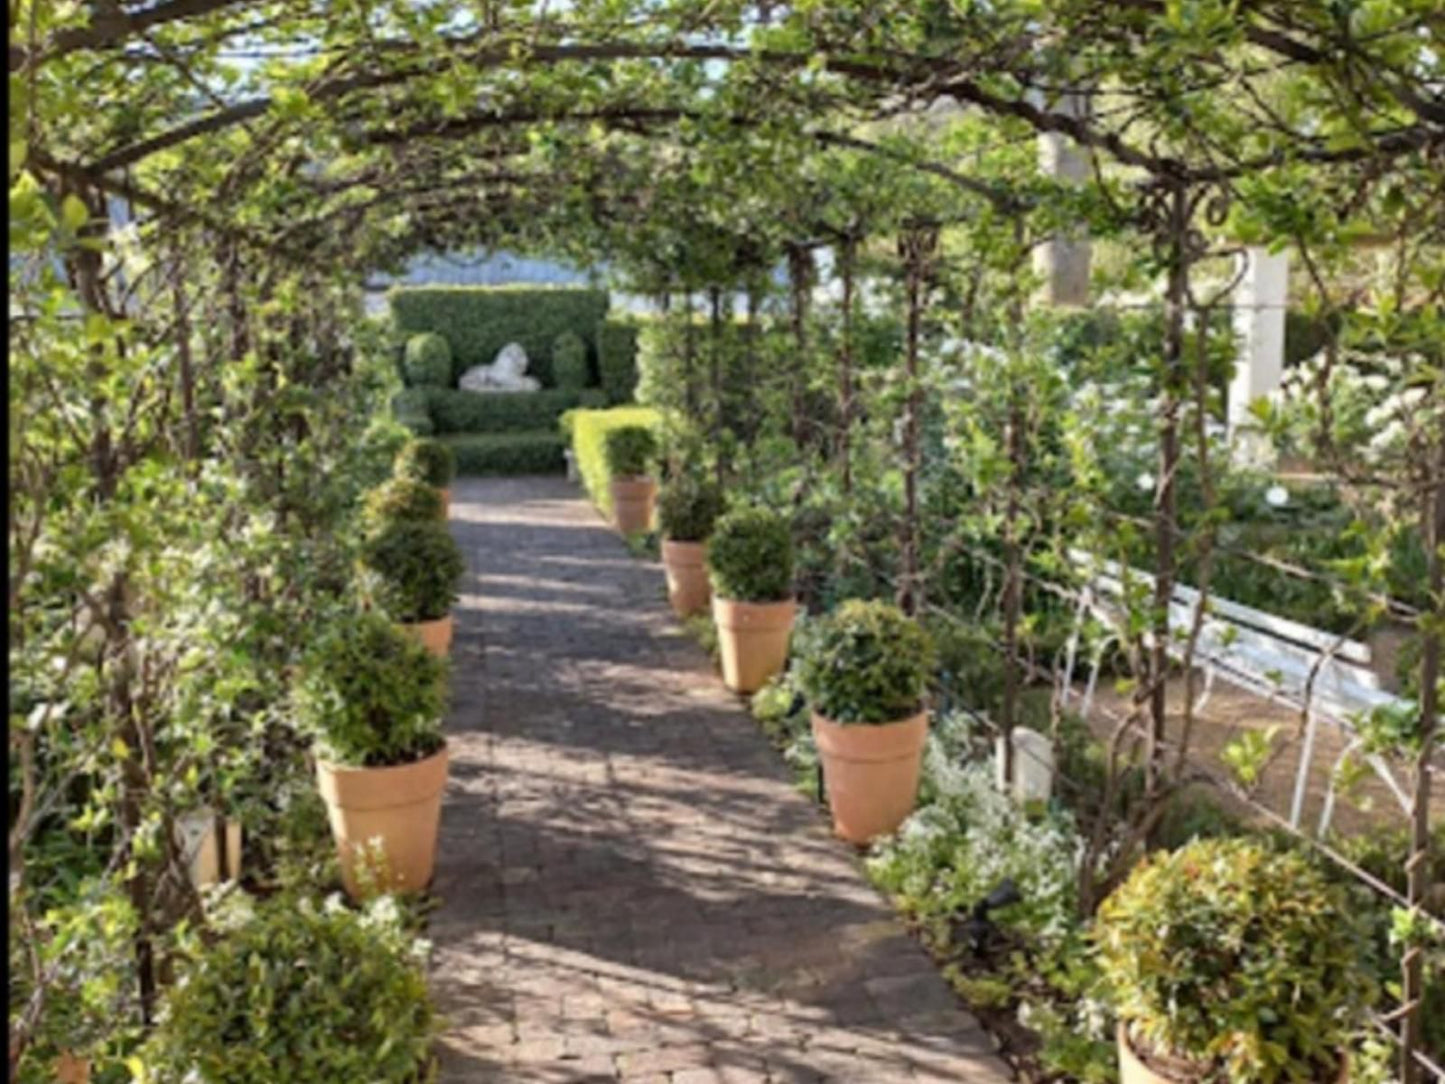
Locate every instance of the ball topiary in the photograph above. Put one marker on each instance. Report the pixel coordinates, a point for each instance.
(370, 695)
(1228, 955)
(418, 565)
(630, 450)
(750, 557)
(399, 500)
(427, 361)
(687, 508)
(866, 662)
(289, 991)
(569, 361)
(428, 461)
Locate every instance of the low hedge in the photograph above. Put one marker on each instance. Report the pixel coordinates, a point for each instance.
(454, 411)
(528, 452)
(617, 359)
(477, 321)
(589, 445)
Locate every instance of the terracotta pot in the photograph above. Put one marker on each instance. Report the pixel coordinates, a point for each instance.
(753, 638)
(446, 502)
(71, 1069)
(435, 636)
(632, 500)
(1133, 1070)
(870, 772)
(687, 586)
(401, 805)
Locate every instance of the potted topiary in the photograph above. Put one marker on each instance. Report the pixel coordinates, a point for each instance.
(371, 697)
(431, 463)
(401, 499)
(629, 450)
(865, 673)
(418, 565)
(750, 564)
(284, 990)
(427, 361)
(687, 507)
(1227, 959)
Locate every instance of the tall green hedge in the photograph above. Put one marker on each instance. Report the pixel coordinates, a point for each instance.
(455, 411)
(477, 321)
(589, 430)
(529, 452)
(617, 359)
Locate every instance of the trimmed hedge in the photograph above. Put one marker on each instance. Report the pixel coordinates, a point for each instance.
(617, 359)
(479, 320)
(589, 445)
(455, 411)
(528, 452)
(569, 361)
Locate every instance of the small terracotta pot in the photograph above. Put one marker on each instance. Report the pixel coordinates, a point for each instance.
(632, 500)
(870, 772)
(753, 638)
(687, 587)
(71, 1069)
(1133, 1070)
(435, 636)
(446, 502)
(401, 806)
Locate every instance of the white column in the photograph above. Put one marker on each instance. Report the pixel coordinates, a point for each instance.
(1259, 307)
(1062, 262)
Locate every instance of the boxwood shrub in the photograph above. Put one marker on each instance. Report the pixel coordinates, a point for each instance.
(400, 499)
(531, 452)
(427, 461)
(630, 450)
(687, 508)
(418, 567)
(1236, 957)
(295, 992)
(370, 695)
(479, 320)
(569, 361)
(617, 359)
(427, 361)
(456, 411)
(589, 445)
(750, 556)
(866, 662)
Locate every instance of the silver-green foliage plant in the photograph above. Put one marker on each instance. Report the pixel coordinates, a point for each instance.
(750, 557)
(427, 361)
(289, 991)
(866, 662)
(418, 567)
(630, 450)
(569, 360)
(1236, 958)
(428, 461)
(687, 508)
(370, 695)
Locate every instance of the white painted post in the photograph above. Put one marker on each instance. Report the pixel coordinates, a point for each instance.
(1259, 307)
(1033, 762)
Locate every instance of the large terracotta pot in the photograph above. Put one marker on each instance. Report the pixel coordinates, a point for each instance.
(401, 805)
(1132, 1069)
(687, 586)
(435, 636)
(753, 638)
(870, 772)
(71, 1069)
(632, 500)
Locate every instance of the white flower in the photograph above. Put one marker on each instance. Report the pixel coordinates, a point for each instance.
(1145, 481)
(1276, 496)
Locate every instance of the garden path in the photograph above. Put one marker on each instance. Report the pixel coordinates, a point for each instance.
(631, 888)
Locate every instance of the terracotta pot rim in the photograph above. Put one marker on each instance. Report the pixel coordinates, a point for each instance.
(687, 547)
(633, 481)
(902, 720)
(429, 620)
(347, 769)
(871, 743)
(732, 614)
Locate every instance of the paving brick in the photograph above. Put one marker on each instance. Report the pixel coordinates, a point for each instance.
(630, 887)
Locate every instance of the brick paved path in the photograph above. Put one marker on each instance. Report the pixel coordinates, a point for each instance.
(631, 888)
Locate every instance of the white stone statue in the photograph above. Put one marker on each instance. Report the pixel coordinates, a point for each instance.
(507, 373)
